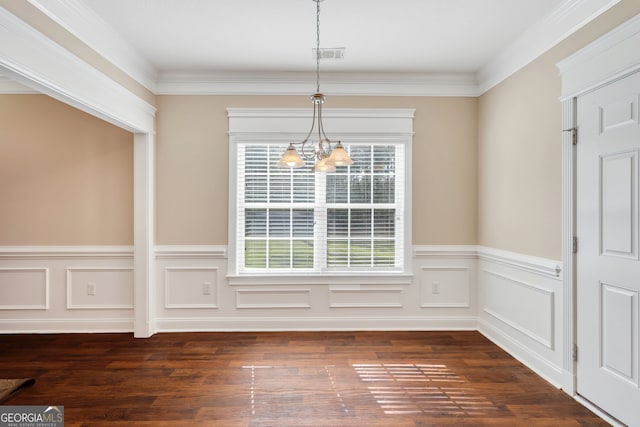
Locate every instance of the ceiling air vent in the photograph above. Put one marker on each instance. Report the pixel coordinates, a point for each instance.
(329, 53)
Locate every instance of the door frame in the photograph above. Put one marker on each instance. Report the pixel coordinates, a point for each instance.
(26, 56)
(612, 57)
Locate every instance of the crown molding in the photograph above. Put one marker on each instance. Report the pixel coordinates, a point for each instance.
(352, 113)
(81, 21)
(11, 87)
(302, 83)
(566, 19)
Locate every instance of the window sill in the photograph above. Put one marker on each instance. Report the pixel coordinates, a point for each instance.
(320, 279)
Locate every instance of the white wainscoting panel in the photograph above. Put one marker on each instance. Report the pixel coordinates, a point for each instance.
(521, 308)
(526, 308)
(54, 282)
(273, 298)
(191, 287)
(359, 296)
(445, 277)
(100, 288)
(24, 288)
(350, 301)
(445, 287)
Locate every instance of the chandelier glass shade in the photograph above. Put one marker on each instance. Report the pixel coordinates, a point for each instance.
(327, 153)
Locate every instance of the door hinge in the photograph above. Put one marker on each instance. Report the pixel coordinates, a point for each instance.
(574, 353)
(575, 245)
(574, 135)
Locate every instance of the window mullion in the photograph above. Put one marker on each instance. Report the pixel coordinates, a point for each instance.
(320, 223)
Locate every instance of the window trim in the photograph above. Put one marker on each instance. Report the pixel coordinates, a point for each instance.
(246, 125)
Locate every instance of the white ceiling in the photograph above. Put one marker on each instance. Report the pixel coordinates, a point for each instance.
(277, 35)
(421, 47)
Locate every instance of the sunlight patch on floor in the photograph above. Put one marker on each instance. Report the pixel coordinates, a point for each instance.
(396, 396)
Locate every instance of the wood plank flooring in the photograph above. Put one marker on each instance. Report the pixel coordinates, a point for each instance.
(284, 379)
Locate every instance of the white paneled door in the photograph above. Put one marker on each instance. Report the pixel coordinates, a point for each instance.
(608, 273)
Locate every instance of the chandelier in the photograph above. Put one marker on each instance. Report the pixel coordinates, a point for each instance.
(327, 153)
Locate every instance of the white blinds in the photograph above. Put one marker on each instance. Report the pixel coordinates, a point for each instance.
(294, 220)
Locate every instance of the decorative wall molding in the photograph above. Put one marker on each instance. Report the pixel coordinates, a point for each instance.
(545, 266)
(445, 286)
(24, 288)
(184, 287)
(112, 288)
(69, 252)
(190, 252)
(50, 293)
(447, 251)
(548, 340)
(358, 297)
(273, 298)
(520, 307)
(542, 266)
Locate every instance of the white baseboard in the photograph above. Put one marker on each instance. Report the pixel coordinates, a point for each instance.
(63, 326)
(599, 412)
(553, 374)
(270, 324)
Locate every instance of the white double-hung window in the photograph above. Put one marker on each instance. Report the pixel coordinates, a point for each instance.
(293, 221)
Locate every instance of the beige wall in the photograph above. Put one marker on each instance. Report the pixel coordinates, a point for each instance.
(66, 178)
(520, 151)
(192, 164)
(485, 171)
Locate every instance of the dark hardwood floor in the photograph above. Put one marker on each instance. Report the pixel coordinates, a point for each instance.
(284, 379)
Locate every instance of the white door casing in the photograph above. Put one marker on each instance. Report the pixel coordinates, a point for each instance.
(606, 60)
(608, 262)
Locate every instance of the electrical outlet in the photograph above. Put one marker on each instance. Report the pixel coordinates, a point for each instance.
(206, 288)
(435, 287)
(91, 288)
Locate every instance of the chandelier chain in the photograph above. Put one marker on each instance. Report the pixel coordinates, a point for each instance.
(317, 46)
(328, 153)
